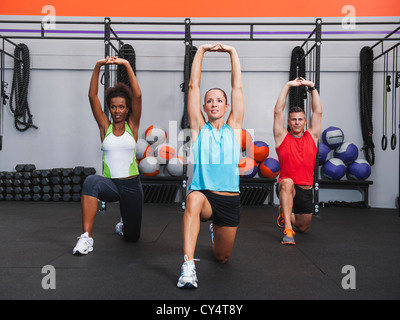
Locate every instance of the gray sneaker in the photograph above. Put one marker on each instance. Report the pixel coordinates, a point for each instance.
(288, 237)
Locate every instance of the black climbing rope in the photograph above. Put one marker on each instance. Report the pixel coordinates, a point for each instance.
(366, 86)
(297, 69)
(19, 90)
(126, 52)
(189, 56)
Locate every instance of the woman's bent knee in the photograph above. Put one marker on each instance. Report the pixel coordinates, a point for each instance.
(221, 258)
(194, 203)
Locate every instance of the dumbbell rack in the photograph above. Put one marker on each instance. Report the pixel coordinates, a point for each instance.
(27, 183)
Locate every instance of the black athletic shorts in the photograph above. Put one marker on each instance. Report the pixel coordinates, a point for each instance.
(225, 209)
(303, 200)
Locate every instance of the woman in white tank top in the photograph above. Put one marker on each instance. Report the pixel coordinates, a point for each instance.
(120, 180)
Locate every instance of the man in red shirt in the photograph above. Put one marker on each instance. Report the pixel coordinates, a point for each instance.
(297, 151)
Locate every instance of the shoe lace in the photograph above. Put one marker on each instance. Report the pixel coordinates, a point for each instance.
(289, 232)
(83, 240)
(188, 267)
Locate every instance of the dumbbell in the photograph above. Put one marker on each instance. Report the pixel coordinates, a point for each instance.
(67, 197)
(27, 182)
(27, 197)
(77, 179)
(36, 173)
(25, 167)
(9, 197)
(57, 188)
(46, 173)
(47, 197)
(55, 180)
(66, 180)
(8, 179)
(56, 172)
(57, 197)
(36, 197)
(76, 197)
(67, 172)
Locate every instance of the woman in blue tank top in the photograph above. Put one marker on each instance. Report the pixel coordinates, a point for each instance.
(120, 180)
(216, 150)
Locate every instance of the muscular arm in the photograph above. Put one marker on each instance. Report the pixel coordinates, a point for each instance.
(134, 118)
(235, 119)
(316, 117)
(100, 117)
(196, 118)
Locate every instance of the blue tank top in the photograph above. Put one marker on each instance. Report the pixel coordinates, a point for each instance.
(216, 158)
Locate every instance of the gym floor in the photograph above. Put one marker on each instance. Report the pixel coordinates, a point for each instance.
(35, 234)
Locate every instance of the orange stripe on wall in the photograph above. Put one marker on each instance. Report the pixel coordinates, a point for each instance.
(202, 8)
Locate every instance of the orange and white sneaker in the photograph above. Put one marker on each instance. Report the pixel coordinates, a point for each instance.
(280, 221)
(288, 237)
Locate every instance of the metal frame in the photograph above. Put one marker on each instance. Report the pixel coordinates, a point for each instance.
(3, 84)
(188, 36)
(383, 54)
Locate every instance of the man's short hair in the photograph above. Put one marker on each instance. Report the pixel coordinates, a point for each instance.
(296, 109)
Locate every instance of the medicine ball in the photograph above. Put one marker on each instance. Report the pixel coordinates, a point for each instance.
(175, 166)
(149, 166)
(246, 140)
(347, 152)
(269, 168)
(259, 150)
(247, 167)
(359, 170)
(323, 153)
(164, 152)
(333, 137)
(142, 149)
(155, 135)
(334, 169)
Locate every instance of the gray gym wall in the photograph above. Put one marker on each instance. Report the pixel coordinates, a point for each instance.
(68, 135)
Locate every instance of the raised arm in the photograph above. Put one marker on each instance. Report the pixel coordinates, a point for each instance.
(136, 108)
(196, 118)
(316, 116)
(100, 117)
(279, 129)
(235, 119)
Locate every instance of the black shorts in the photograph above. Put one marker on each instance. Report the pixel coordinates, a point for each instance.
(225, 209)
(303, 200)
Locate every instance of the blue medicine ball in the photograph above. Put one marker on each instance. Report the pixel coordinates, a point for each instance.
(334, 169)
(359, 170)
(333, 137)
(347, 152)
(323, 152)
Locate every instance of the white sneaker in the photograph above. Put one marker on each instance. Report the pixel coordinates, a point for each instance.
(119, 228)
(84, 245)
(188, 278)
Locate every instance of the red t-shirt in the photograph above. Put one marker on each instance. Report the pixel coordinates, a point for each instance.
(297, 158)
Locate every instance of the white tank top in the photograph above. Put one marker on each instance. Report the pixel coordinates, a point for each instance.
(119, 160)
